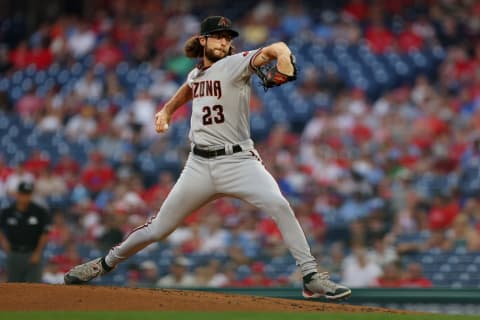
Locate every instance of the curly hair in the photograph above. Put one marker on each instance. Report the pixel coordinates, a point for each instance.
(193, 48)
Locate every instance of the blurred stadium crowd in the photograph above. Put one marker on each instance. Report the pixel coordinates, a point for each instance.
(376, 145)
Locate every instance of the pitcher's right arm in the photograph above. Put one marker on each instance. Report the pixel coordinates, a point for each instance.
(162, 117)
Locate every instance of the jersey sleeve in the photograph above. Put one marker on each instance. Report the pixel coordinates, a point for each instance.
(191, 76)
(240, 64)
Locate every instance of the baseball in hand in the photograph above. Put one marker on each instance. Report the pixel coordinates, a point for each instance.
(165, 127)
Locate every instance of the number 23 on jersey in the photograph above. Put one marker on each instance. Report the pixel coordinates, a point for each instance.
(213, 114)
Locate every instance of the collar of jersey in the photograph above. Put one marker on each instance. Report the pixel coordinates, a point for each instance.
(201, 67)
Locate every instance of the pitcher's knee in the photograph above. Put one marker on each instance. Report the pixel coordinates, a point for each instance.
(158, 237)
(147, 235)
(161, 233)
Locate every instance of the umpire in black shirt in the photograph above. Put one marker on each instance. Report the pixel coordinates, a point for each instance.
(24, 230)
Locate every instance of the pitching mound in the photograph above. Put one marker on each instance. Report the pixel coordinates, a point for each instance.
(30, 297)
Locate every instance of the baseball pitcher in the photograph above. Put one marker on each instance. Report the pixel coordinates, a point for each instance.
(223, 161)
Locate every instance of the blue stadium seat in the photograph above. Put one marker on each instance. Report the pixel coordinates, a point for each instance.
(472, 268)
(4, 84)
(243, 271)
(17, 77)
(83, 249)
(13, 131)
(453, 259)
(119, 279)
(53, 70)
(122, 69)
(19, 156)
(94, 253)
(62, 77)
(164, 264)
(77, 70)
(87, 61)
(60, 202)
(40, 77)
(16, 93)
(30, 70)
(52, 249)
(99, 70)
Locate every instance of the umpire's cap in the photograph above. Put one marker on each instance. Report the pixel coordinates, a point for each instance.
(25, 187)
(214, 24)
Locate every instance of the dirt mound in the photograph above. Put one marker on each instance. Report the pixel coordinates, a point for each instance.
(29, 297)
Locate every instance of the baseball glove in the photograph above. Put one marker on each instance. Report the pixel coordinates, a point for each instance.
(270, 76)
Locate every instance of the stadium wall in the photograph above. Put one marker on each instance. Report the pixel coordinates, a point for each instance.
(437, 300)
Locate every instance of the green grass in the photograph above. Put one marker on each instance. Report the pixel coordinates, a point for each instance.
(142, 315)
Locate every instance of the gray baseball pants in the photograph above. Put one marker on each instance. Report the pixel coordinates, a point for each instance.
(240, 175)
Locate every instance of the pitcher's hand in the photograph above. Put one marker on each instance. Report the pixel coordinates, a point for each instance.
(162, 120)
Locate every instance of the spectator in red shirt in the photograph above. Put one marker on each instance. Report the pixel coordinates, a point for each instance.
(160, 190)
(459, 66)
(69, 258)
(396, 7)
(391, 277)
(442, 213)
(281, 136)
(408, 40)
(38, 162)
(41, 55)
(66, 164)
(426, 128)
(269, 229)
(60, 234)
(414, 278)
(311, 222)
(108, 54)
(42, 58)
(5, 170)
(68, 169)
(21, 56)
(257, 278)
(125, 34)
(361, 132)
(379, 38)
(97, 174)
(356, 9)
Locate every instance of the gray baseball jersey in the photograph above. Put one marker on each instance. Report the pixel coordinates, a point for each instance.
(221, 98)
(220, 119)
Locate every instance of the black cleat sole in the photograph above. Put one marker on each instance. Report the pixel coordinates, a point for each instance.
(341, 297)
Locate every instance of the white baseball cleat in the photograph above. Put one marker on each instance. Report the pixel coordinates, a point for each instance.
(83, 273)
(317, 285)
